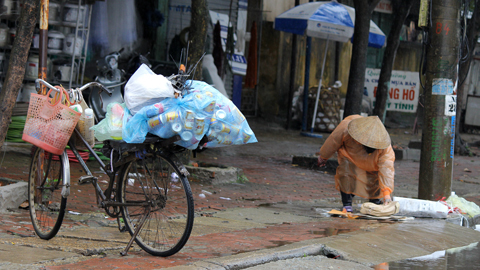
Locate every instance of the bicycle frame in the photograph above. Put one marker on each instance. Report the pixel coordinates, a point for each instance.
(112, 199)
(111, 174)
(111, 170)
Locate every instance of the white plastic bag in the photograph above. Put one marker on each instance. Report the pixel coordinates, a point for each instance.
(146, 88)
(421, 208)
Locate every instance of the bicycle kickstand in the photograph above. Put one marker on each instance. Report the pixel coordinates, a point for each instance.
(137, 230)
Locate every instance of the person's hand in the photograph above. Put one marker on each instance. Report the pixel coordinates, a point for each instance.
(321, 162)
(387, 199)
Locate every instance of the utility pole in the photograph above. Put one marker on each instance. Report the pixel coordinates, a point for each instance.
(438, 132)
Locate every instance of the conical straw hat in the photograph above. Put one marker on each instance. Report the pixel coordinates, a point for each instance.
(370, 132)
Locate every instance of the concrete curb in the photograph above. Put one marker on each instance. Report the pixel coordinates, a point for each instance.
(407, 154)
(214, 174)
(375, 244)
(11, 196)
(250, 259)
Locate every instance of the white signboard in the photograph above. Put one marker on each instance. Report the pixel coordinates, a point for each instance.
(450, 105)
(403, 92)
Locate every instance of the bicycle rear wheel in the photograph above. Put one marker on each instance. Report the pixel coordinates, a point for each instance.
(167, 201)
(45, 183)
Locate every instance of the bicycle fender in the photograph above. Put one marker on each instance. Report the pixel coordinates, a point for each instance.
(177, 162)
(66, 176)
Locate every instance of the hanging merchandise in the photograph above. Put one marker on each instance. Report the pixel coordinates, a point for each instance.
(3, 35)
(62, 70)
(31, 69)
(72, 44)
(27, 90)
(72, 13)
(55, 41)
(53, 12)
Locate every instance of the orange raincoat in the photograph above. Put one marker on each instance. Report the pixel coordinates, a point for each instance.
(367, 175)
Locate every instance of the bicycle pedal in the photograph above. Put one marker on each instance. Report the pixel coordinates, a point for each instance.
(85, 179)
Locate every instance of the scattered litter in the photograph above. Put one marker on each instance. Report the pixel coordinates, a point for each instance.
(131, 181)
(74, 213)
(104, 181)
(223, 198)
(174, 177)
(201, 195)
(421, 208)
(24, 205)
(467, 170)
(207, 192)
(464, 206)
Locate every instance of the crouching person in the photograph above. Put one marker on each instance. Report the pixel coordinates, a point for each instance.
(365, 157)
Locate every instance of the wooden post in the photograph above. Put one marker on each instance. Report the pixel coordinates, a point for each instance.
(42, 63)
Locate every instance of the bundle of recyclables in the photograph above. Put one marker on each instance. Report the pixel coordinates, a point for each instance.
(201, 111)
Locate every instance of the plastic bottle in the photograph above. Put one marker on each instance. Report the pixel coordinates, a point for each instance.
(77, 108)
(89, 122)
(199, 127)
(189, 119)
(154, 110)
(186, 135)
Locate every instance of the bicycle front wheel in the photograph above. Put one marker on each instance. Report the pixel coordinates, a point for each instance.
(45, 183)
(157, 191)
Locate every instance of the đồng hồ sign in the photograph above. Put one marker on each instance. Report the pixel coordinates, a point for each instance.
(403, 92)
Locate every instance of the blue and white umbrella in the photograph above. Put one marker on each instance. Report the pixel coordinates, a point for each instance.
(326, 20)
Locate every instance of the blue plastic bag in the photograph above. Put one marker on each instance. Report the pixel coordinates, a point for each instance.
(202, 110)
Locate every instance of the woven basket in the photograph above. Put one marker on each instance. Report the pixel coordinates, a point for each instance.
(49, 126)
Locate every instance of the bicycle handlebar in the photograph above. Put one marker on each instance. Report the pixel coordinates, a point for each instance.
(86, 86)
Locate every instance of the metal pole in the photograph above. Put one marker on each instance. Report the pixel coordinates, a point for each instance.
(43, 42)
(319, 86)
(438, 131)
(293, 69)
(306, 83)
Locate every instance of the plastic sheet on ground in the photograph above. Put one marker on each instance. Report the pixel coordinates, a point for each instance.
(202, 110)
(466, 207)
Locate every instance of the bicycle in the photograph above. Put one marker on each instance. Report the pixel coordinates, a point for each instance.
(148, 188)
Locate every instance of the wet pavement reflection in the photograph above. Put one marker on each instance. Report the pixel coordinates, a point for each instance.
(466, 257)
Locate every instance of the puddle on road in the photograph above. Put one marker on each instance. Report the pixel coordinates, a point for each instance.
(331, 231)
(456, 258)
(278, 243)
(265, 204)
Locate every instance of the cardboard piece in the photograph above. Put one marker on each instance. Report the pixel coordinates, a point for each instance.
(364, 216)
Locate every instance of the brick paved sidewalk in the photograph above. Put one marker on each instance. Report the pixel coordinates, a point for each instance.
(274, 185)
